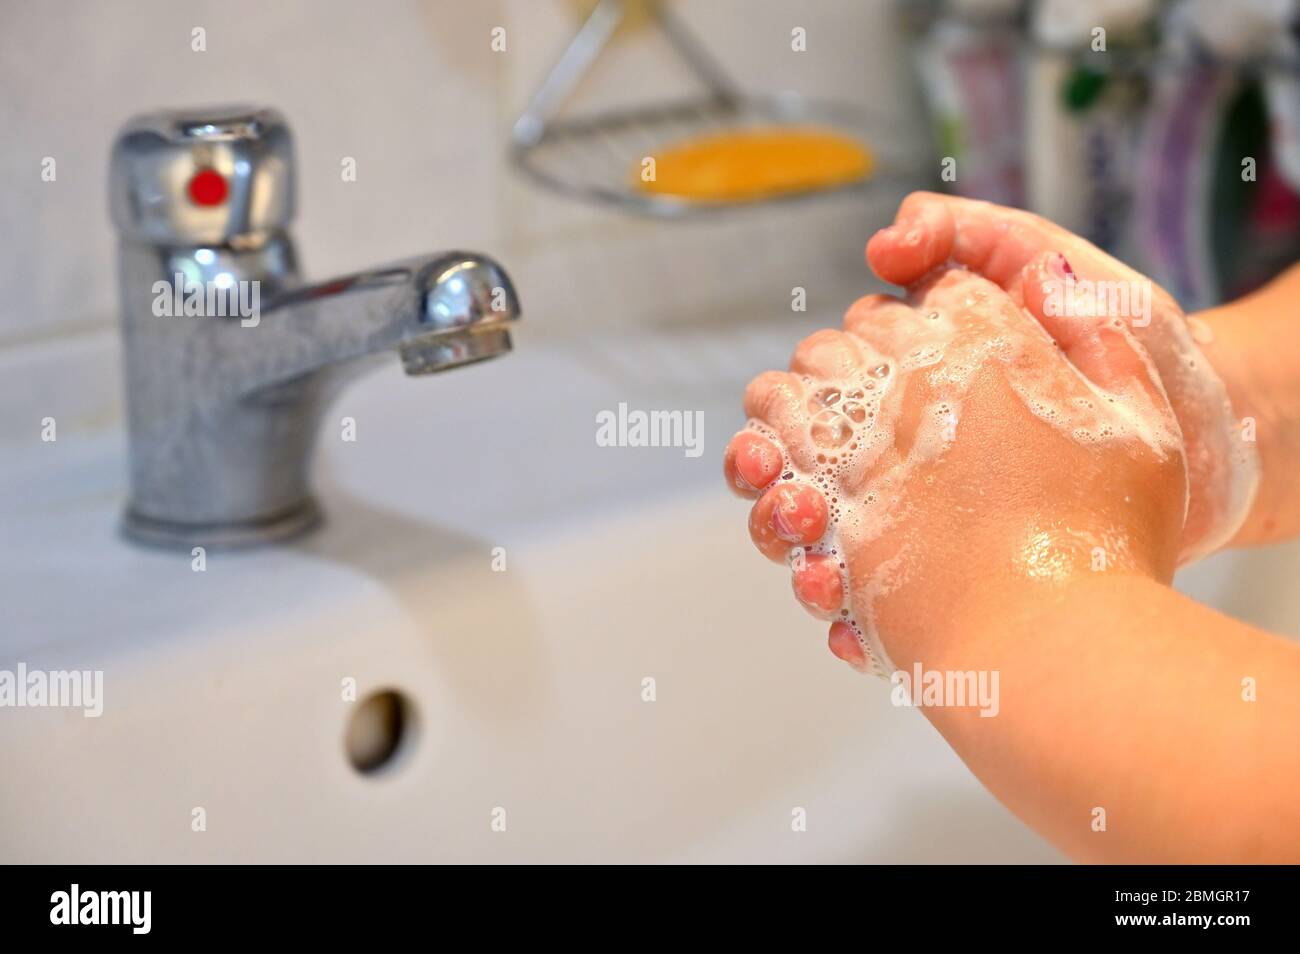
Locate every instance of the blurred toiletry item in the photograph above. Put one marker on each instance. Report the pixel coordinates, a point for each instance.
(1085, 90)
(1282, 93)
(968, 63)
(1261, 39)
(1218, 151)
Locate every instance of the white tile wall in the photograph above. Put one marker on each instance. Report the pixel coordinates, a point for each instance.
(412, 90)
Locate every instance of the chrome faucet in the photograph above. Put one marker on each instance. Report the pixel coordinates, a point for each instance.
(229, 360)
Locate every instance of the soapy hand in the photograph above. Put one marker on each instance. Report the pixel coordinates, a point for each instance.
(941, 443)
(991, 477)
(1007, 246)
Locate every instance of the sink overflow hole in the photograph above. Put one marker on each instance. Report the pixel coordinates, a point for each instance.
(380, 729)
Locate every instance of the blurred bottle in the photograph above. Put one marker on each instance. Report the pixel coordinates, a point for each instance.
(1282, 92)
(967, 58)
(1086, 89)
(1219, 155)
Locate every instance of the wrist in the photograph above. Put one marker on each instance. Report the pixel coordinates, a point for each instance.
(965, 622)
(1261, 380)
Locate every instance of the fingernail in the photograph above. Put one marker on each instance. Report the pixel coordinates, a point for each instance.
(781, 523)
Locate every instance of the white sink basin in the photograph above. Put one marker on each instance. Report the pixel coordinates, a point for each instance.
(223, 688)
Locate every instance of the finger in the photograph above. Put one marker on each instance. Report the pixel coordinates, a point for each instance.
(789, 514)
(882, 322)
(777, 399)
(994, 240)
(845, 644)
(932, 229)
(975, 304)
(920, 239)
(827, 354)
(1100, 345)
(751, 463)
(818, 586)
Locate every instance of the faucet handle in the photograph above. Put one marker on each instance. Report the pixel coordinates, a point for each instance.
(203, 176)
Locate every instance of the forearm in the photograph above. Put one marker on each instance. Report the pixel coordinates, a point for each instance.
(1255, 347)
(1118, 695)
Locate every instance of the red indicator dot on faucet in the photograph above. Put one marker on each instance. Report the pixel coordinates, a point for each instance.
(208, 187)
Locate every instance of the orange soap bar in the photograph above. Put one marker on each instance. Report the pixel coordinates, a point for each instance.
(755, 163)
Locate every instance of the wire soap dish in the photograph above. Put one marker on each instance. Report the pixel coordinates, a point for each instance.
(593, 157)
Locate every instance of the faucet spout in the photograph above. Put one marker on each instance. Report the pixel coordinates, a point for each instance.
(437, 311)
